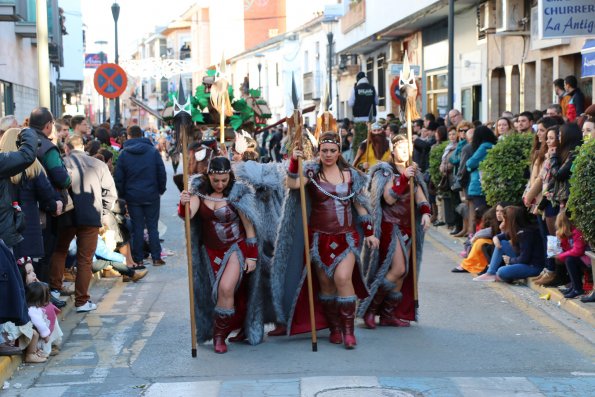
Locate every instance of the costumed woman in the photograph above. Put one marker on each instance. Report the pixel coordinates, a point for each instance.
(336, 194)
(225, 260)
(389, 276)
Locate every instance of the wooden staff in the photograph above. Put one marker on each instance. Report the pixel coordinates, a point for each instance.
(185, 131)
(298, 136)
(412, 208)
(222, 123)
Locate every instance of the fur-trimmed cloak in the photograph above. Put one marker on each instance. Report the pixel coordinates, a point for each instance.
(268, 182)
(375, 271)
(288, 272)
(242, 198)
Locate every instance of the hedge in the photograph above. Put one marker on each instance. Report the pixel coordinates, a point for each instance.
(503, 171)
(581, 202)
(435, 159)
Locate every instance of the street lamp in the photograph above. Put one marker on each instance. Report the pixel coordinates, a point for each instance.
(102, 56)
(116, 14)
(329, 37)
(259, 66)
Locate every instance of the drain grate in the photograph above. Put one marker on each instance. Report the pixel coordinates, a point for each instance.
(365, 392)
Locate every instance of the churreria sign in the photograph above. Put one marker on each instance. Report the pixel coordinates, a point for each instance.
(566, 18)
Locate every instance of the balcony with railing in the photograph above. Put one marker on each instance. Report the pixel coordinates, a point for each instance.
(355, 16)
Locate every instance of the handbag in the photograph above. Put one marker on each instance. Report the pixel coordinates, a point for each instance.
(443, 185)
(18, 214)
(67, 200)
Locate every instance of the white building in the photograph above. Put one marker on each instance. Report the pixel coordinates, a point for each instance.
(71, 72)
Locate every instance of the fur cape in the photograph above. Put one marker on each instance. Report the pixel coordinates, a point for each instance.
(268, 182)
(375, 271)
(242, 198)
(288, 271)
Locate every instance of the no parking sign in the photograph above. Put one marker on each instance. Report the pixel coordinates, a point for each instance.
(110, 80)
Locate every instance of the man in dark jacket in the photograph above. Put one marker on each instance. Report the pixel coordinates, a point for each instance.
(93, 192)
(42, 121)
(140, 179)
(13, 163)
(362, 98)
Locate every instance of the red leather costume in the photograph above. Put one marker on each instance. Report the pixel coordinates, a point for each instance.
(329, 215)
(398, 213)
(221, 228)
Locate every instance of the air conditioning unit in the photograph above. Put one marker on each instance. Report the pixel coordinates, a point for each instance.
(510, 15)
(485, 17)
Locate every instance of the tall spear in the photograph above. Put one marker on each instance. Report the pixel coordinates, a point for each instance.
(183, 128)
(295, 122)
(408, 90)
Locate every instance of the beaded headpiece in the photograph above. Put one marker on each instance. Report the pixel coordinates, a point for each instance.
(226, 169)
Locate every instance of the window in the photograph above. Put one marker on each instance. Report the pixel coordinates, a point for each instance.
(381, 72)
(437, 93)
(370, 70)
(6, 99)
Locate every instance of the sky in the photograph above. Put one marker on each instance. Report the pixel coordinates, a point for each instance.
(137, 19)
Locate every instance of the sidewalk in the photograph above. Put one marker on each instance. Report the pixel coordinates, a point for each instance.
(584, 311)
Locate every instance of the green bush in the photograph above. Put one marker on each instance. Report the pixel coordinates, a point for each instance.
(503, 171)
(581, 202)
(435, 159)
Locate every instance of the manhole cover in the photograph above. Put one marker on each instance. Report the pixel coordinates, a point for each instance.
(364, 392)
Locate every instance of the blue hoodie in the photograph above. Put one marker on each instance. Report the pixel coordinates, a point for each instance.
(140, 173)
(472, 164)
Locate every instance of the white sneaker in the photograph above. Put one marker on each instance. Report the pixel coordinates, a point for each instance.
(55, 293)
(87, 307)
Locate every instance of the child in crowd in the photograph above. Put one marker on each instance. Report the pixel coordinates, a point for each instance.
(44, 317)
(26, 336)
(477, 261)
(573, 253)
(519, 246)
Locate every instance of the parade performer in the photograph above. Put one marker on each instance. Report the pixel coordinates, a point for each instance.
(368, 155)
(336, 195)
(225, 260)
(388, 272)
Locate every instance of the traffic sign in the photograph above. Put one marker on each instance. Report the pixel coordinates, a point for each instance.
(110, 80)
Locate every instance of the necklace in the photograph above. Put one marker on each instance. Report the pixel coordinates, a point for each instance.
(209, 198)
(329, 194)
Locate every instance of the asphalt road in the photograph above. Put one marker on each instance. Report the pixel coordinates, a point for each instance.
(471, 339)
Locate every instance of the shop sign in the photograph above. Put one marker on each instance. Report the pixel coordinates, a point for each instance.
(396, 69)
(566, 18)
(588, 64)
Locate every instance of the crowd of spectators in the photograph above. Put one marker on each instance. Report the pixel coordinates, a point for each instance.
(74, 200)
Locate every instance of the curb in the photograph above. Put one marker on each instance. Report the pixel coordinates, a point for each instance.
(573, 306)
(9, 364)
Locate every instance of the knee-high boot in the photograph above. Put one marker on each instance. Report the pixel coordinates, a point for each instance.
(387, 312)
(329, 305)
(370, 316)
(346, 305)
(221, 328)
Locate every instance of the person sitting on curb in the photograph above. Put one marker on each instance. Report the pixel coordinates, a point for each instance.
(519, 246)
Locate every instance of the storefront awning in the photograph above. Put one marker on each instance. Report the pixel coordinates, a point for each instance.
(588, 64)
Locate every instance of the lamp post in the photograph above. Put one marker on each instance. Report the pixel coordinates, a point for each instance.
(102, 58)
(259, 56)
(116, 14)
(329, 36)
(259, 69)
